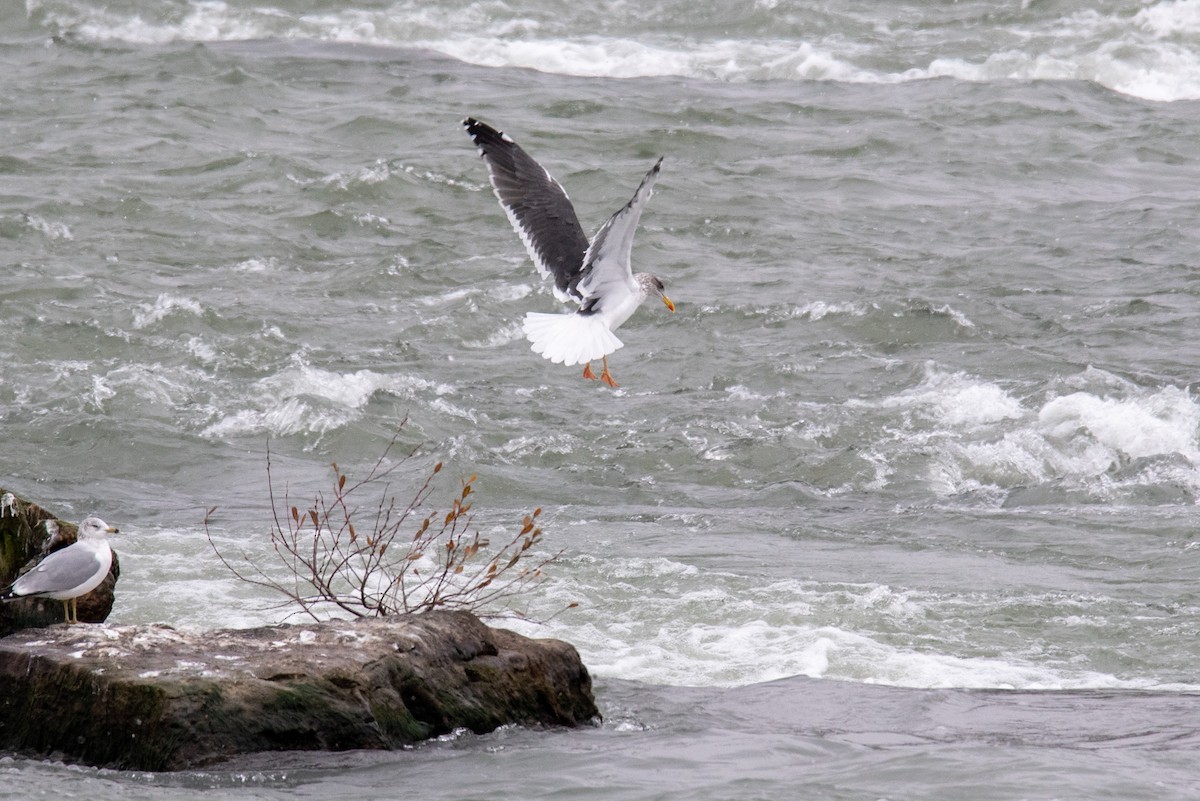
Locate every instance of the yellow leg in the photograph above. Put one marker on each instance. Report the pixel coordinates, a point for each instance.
(70, 611)
(606, 376)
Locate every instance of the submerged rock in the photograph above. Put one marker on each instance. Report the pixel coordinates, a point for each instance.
(27, 534)
(152, 698)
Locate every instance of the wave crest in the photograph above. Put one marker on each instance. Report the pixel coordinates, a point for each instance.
(1152, 54)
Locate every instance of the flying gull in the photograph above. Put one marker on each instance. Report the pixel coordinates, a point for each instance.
(70, 572)
(596, 275)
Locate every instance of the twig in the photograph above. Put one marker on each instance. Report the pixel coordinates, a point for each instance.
(381, 570)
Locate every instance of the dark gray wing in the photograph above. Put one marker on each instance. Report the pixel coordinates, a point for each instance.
(538, 208)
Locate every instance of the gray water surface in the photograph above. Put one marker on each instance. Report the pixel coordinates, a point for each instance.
(925, 415)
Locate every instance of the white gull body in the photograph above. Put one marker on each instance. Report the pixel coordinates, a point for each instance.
(596, 275)
(71, 572)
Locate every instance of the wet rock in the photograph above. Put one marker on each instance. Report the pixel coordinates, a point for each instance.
(152, 698)
(27, 533)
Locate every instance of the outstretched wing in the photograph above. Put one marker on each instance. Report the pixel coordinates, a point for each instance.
(606, 267)
(538, 208)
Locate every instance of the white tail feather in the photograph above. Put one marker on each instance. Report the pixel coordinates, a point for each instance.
(570, 338)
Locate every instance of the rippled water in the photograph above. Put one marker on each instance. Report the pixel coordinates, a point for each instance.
(925, 417)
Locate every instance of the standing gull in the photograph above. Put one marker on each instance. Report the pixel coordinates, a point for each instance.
(595, 275)
(71, 572)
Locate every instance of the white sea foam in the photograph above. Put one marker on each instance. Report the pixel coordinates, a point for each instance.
(269, 264)
(160, 580)
(1083, 438)
(956, 400)
(150, 384)
(813, 310)
(164, 305)
(440, 178)
(818, 310)
(705, 628)
(202, 350)
(50, 229)
(1150, 54)
(538, 445)
(501, 336)
(1163, 20)
(376, 173)
(1161, 423)
(101, 392)
(368, 219)
(307, 399)
(1103, 439)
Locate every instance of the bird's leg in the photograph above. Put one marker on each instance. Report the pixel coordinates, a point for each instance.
(587, 372)
(606, 376)
(67, 611)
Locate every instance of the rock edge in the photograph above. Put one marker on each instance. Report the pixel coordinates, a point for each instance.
(153, 698)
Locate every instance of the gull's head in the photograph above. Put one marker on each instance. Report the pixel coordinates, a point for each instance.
(653, 287)
(95, 528)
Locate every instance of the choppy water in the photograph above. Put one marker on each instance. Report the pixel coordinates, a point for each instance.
(926, 415)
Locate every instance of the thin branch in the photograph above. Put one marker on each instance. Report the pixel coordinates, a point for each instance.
(383, 569)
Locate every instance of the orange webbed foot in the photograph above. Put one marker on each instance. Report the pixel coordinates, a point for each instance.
(606, 376)
(587, 372)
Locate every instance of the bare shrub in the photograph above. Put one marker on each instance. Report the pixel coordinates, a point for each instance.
(400, 561)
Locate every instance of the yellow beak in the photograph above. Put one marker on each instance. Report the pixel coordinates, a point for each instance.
(667, 302)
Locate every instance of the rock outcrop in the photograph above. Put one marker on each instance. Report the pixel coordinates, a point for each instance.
(27, 533)
(152, 698)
